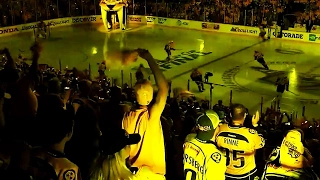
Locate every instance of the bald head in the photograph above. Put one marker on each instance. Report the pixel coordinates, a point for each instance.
(144, 92)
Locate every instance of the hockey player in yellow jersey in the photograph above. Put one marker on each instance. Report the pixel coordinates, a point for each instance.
(202, 160)
(239, 144)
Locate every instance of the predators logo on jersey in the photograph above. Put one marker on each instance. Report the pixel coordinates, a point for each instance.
(69, 175)
(216, 157)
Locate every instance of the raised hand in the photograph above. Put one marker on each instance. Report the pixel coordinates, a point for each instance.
(145, 54)
(36, 48)
(255, 118)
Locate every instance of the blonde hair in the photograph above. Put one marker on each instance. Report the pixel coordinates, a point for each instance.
(111, 167)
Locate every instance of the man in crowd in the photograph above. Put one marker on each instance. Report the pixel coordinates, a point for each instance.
(101, 70)
(239, 144)
(55, 127)
(150, 152)
(202, 159)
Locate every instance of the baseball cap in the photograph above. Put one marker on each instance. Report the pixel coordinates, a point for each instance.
(207, 123)
(116, 139)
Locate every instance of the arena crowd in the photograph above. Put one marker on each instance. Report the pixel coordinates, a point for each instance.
(66, 125)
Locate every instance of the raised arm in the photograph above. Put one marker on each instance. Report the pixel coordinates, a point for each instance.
(10, 62)
(163, 88)
(30, 79)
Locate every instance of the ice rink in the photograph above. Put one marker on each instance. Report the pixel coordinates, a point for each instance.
(229, 57)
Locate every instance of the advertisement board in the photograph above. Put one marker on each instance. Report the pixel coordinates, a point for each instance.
(314, 38)
(82, 19)
(291, 35)
(162, 21)
(182, 23)
(135, 19)
(4, 31)
(151, 20)
(210, 26)
(9, 30)
(244, 30)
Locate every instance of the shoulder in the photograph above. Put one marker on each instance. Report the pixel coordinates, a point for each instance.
(69, 171)
(252, 131)
(135, 119)
(222, 127)
(134, 114)
(190, 137)
(70, 174)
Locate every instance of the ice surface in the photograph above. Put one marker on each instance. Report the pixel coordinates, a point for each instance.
(228, 57)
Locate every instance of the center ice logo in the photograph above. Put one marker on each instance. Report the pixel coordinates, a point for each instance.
(181, 59)
(313, 37)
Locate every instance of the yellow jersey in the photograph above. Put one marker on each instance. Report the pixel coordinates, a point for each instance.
(239, 145)
(274, 169)
(292, 150)
(203, 161)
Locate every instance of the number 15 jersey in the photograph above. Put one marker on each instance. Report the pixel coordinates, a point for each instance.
(239, 145)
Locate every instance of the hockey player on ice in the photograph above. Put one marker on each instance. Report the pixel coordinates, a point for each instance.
(168, 47)
(262, 33)
(282, 84)
(258, 56)
(42, 30)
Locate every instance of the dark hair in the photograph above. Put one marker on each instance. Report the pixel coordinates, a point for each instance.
(54, 126)
(238, 111)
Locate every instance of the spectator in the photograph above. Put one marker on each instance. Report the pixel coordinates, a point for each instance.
(202, 158)
(309, 25)
(290, 157)
(149, 153)
(56, 127)
(240, 144)
(86, 130)
(111, 162)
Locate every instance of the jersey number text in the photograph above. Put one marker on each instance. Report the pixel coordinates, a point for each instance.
(192, 174)
(234, 157)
